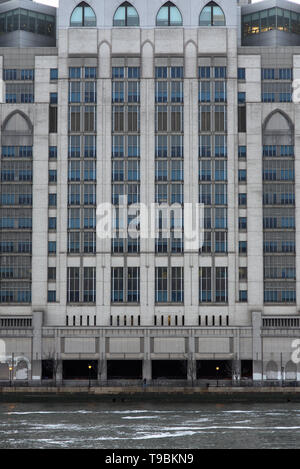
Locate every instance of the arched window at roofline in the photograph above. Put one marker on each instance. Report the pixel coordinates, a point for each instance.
(126, 15)
(169, 15)
(212, 15)
(83, 16)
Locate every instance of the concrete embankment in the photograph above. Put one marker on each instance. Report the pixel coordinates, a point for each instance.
(150, 393)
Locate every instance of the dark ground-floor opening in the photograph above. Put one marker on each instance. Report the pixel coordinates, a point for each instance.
(214, 369)
(169, 369)
(246, 369)
(80, 369)
(47, 369)
(124, 369)
(133, 369)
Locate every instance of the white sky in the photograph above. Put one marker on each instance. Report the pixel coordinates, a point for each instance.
(55, 2)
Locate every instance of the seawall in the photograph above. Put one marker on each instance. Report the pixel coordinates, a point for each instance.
(151, 393)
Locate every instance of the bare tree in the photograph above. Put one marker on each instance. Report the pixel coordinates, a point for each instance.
(191, 370)
(52, 364)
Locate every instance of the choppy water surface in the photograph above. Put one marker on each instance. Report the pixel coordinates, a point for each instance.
(149, 425)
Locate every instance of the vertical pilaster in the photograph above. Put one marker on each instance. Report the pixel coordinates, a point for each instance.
(232, 173)
(104, 151)
(257, 345)
(62, 187)
(296, 107)
(37, 324)
(191, 188)
(147, 171)
(254, 208)
(40, 207)
(147, 371)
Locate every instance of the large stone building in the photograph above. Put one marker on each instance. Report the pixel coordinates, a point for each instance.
(187, 102)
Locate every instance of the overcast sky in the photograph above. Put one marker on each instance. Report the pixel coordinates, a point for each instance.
(55, 2)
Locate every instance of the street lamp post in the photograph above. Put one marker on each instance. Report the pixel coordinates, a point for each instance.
(89, 367)
(217, 370)
(10, 374)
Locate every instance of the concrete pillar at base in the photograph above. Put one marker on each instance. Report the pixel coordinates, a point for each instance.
(102, 370)
(236, 370)
(257, 345)
(36, 365)
(191, 371)
(147, 370)
(147, 367)
(58, 371)
(257, 370)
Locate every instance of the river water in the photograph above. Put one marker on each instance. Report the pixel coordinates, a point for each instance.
(149, 425)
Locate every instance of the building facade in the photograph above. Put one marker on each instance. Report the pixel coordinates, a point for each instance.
(110, 105)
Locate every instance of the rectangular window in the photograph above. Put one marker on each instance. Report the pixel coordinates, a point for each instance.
(51, 296)
(89, 242)
(53, 74)
(204, 92)
(53, 152)
(204, 118)
(75, 72)
(117, 285)
(89, 284)
(52, 247)
(74, 146)
(89, 118)
(118, 92)
(220, 145)
(220, 91)
(133, 92)
(90, 73)
(161, 72)
(242, 118)
(161, 284)
(133, 119)
(242, 223)
(52, 175)
(117, 72)
(74, 119)
(53, 98)
(241, 97)
(204, 72)
(53, 119)
(73, 286)
(205, 284)
(134, 72)
(220, 119)
(221, 240)
(242, 274)
(74, 92)
(242, 200)
(221, 284)
(73, 241)
(242, 175)
(242, 151)
(243, 296)
(51, 274)
(241, 74)
(243, 247)
(133, 286)
(220, 72)
(118, 119)
(52, 223)
(161, 118)
(177, 285)
(52, 200)
(176, 119)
